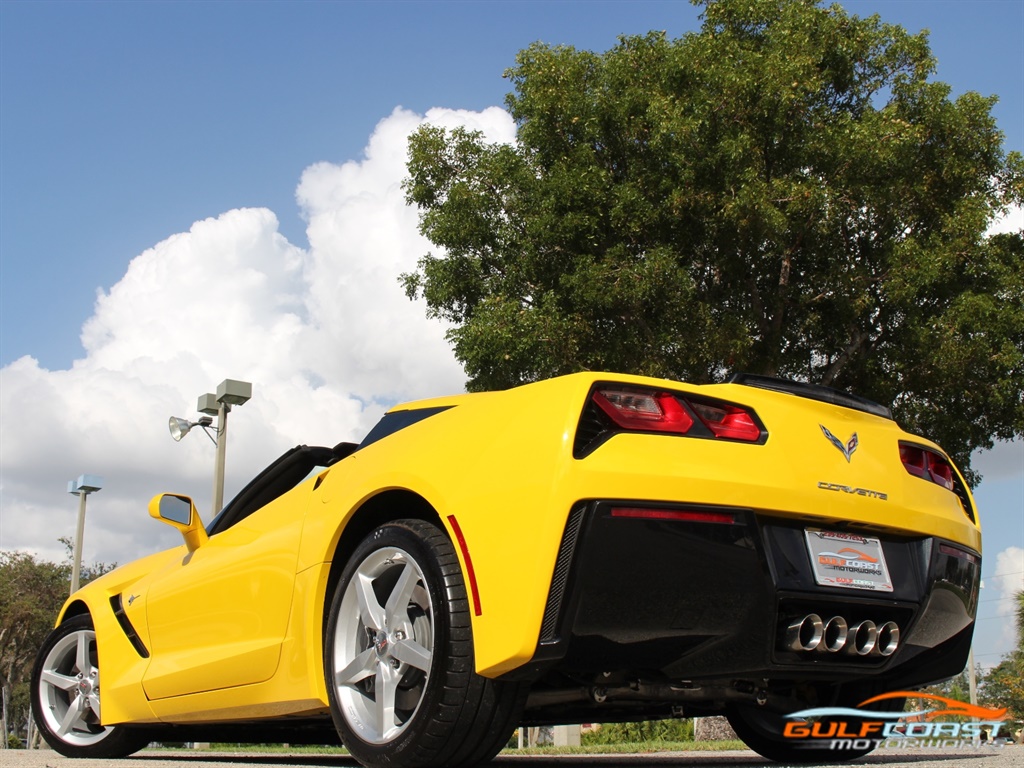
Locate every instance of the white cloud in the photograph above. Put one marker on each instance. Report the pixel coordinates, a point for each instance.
(1007, 580)
(326, 336)
(1004, 459)
(1011, 221)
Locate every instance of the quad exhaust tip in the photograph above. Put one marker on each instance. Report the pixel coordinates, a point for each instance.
(865, 638)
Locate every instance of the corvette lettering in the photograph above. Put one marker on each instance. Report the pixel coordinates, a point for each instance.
(850, 489)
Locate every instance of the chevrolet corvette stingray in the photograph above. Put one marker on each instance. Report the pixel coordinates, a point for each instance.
(591, 548)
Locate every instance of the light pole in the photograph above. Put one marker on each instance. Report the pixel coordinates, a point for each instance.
(81, 487)
(229, 393)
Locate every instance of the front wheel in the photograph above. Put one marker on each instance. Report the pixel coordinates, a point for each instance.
(66, 696)
(399, 657)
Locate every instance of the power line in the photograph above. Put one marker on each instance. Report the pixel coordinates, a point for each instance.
(997, 599)
(1001, 575)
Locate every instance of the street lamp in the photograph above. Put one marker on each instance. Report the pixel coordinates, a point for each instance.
(81, 487)
(229, 393)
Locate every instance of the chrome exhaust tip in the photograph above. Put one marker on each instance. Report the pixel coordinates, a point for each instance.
(888, 638)
(805, 634)
(863, 637)
(835, 634)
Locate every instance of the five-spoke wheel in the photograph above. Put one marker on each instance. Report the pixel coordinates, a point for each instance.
(399, 657)
(382, 651)
(66, 696)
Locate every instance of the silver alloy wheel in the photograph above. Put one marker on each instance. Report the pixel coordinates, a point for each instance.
(383, 644)
(69, 690)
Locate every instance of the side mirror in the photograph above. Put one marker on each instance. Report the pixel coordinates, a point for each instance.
(181, 513)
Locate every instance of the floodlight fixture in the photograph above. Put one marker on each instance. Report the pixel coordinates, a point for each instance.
(85, 484)
(208, 404)
(180, 427)
(229, 392)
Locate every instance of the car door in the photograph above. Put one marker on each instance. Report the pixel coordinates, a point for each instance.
(217, 617)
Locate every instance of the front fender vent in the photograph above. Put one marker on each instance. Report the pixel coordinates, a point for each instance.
(127, 627)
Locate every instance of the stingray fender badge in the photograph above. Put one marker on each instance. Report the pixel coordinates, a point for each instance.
(847, 449)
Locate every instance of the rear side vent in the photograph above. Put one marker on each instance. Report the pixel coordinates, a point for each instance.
(593, 429)
(560, 578)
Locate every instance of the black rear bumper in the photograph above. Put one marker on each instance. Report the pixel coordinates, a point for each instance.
(710, 595)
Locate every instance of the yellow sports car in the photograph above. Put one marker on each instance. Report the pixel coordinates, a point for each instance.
(591, 548)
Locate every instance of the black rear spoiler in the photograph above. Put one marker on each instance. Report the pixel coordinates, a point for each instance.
(812, 392)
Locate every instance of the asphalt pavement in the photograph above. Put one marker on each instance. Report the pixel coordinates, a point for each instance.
(1011, 756)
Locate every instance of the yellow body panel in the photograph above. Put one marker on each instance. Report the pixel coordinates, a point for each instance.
(236, 628)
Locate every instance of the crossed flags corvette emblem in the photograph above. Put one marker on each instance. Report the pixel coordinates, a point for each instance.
(846, 449)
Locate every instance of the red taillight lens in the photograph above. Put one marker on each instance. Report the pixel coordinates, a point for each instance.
(914, 460)
(728, 421)
(942, 472)
(927, 464)
(648, 411)
(651, 410)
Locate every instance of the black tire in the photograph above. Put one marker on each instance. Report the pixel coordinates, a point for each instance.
(762, 731)
(398, 657)
(66, 695)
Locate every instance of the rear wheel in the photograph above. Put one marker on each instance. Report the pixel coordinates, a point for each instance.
(762, 731)
(399, 657)
(66, 696)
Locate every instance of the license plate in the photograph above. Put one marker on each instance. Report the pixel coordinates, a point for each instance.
(847, 560)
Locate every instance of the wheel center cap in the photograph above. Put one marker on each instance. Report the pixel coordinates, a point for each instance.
(381, 644)
(85, 687)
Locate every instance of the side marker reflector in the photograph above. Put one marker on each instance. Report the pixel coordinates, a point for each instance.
(473, 588)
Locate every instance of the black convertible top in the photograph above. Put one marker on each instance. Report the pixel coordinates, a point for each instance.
(283, 474)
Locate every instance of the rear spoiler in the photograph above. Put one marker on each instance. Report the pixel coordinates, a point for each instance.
(812, 392)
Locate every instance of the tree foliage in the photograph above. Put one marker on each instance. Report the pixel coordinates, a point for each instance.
(31, 593)
(786, 192)
(1003, 685)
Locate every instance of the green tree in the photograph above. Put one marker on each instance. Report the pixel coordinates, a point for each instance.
(786, 192)
(1003, 685)
(31, 593)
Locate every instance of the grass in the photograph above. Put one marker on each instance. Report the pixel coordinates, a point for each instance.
(641, 747)
(638, 747)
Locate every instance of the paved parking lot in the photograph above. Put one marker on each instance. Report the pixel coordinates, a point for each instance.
(1007, 757)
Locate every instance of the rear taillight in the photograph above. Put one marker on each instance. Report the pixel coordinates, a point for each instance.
(620, 408)
(728, 421)
(927, 464)
(644, 411)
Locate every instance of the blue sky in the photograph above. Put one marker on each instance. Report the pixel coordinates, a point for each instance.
(130, 131)
(122, 123)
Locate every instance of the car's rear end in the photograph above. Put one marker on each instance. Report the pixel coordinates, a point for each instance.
(757, 541)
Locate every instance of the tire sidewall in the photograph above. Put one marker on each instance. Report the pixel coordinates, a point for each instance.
(405, 535)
